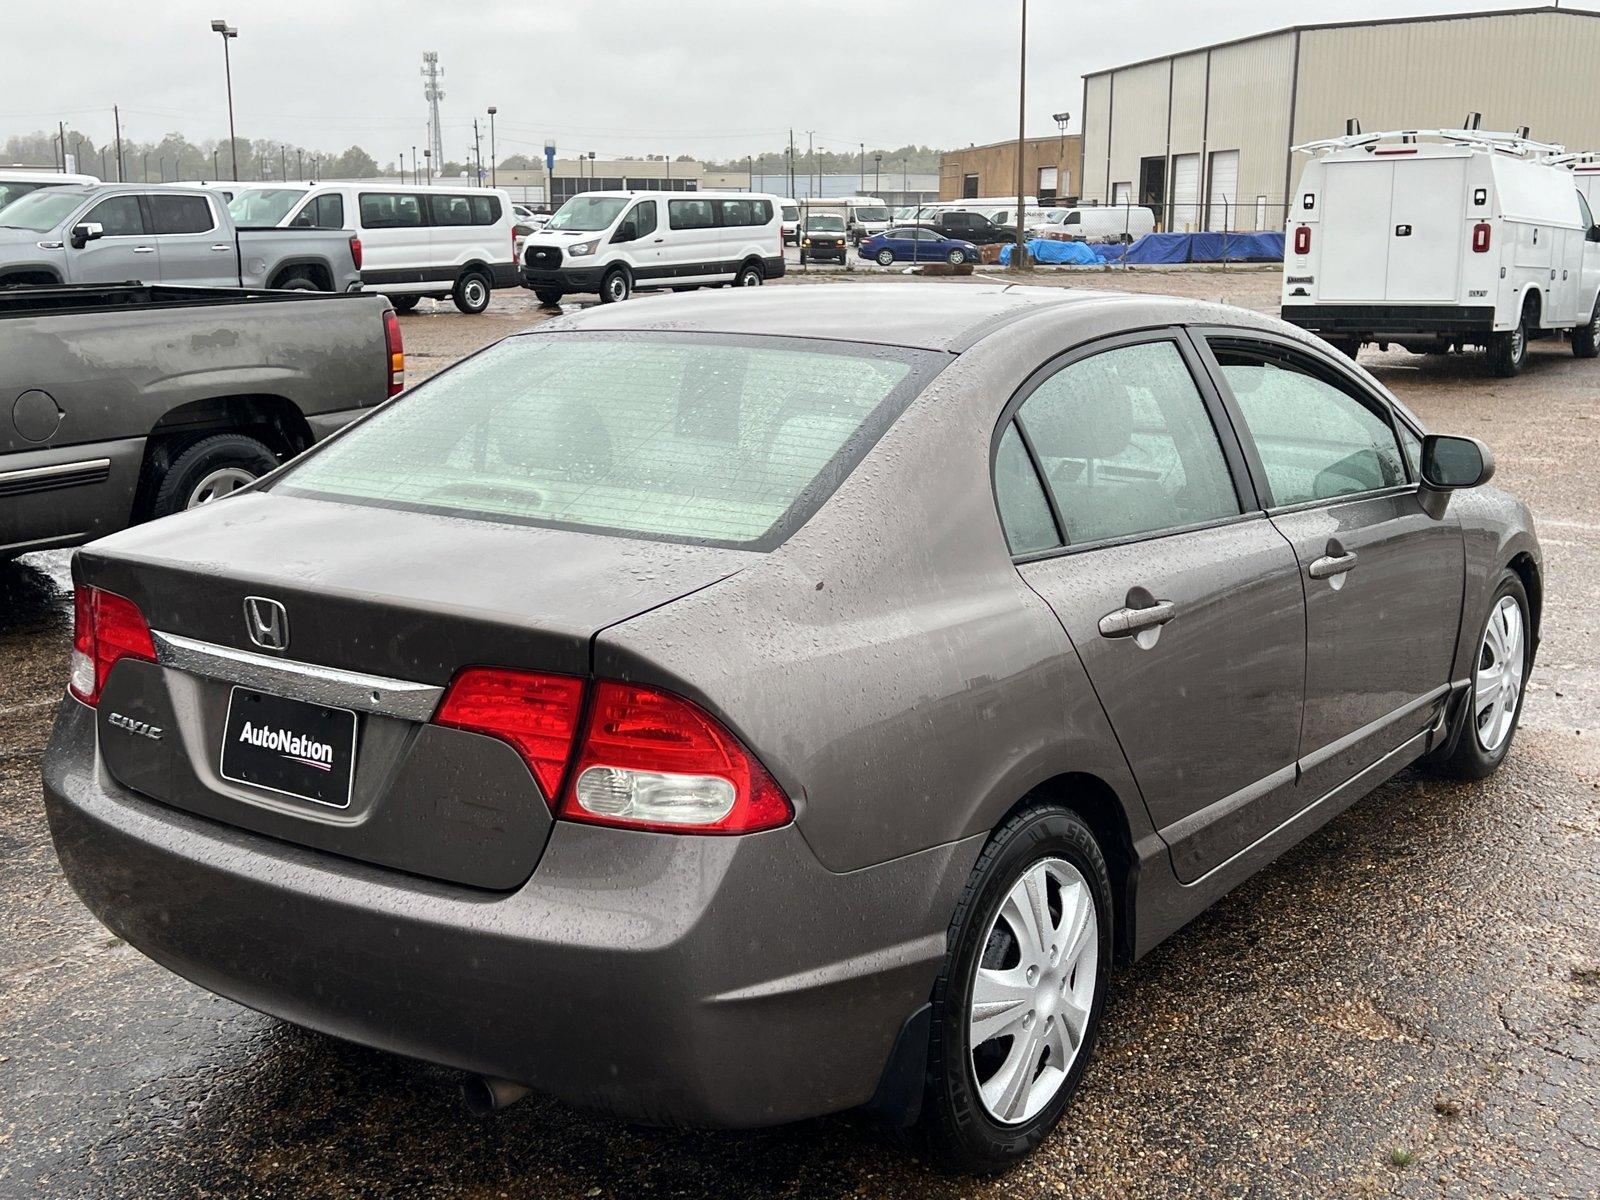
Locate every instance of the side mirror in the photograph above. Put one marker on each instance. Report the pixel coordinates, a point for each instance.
(85, 232)
(626, 232)
(1449, 463)
(1594, 233)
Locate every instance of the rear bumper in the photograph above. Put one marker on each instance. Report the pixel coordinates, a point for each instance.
(725, 982)
(1376, 319)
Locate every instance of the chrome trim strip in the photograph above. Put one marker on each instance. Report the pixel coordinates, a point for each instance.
(297, 680)
(89, 464)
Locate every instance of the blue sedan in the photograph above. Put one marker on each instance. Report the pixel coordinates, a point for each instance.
(912, 243)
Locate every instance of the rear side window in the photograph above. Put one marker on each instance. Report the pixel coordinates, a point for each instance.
(690, 214)
(390, 210)
(450, 210)
(180, 214)
(730, 441)
(1072, 218)
(121, 216)
(1126, 445)
(1024, 511)
(1316, 441)
(323, 212)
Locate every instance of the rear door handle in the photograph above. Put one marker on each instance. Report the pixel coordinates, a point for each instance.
(1330, 565)
(222, 246)
(144, 249)
(1128, 622)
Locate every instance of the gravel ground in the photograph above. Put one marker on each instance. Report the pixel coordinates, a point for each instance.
(1408, 1004)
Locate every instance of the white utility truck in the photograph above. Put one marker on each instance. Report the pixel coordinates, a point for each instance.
(1442, 239)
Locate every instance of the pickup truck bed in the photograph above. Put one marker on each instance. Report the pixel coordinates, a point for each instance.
(117, 401)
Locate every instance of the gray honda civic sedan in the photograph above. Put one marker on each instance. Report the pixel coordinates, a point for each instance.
(733, 708)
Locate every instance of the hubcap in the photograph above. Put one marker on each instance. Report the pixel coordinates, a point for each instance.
(219, 483)
(1498, 683)
(475, 293)
(619, 287)
(1032, 991)
(1519, 341)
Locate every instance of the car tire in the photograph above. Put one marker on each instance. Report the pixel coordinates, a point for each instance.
(885, 258)
(549, 297)
(1586, 338)
(404, 303)
(752, 274)
(472, 292)
(297, 283)
(956, 258)
(616, 287)
(1047, 853)
(1508, 352)
(1488, 723)
(210, 468)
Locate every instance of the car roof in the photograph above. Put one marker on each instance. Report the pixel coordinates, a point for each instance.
(949, 318)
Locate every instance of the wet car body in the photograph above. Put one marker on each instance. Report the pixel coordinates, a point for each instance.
(903, 675)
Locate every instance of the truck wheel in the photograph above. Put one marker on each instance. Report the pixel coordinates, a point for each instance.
(616, 286)
(750, 275)
(298, 283)
(404, 303)
(549, 297)
(472, 292)
(1586, 338)
(210, 469)
(1508, 351)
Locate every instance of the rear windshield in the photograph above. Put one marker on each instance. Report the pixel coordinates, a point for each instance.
(705, 438)
(264, 207)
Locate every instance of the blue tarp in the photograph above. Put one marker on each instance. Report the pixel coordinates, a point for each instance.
(1049, 250)
(1196, 248)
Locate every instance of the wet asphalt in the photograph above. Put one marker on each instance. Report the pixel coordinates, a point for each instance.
(1407, 1004)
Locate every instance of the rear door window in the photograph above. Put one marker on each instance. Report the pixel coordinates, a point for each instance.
(702, 438)
(1126, 445)
(390, 210)
(322, 212)
(180, 214)
(1317, 439)
(1024, 509)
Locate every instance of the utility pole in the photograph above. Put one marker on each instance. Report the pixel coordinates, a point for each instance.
(416, 173)
(427, 159)
(877, 175)
(117, 118)
(283, 161)
(494, 169)
(228, 31)
(863, 166)
(103, 167)
(1020, 252)
(144, 169)
(300, 163)
(477, 146)
(791, 162)
(61, 127)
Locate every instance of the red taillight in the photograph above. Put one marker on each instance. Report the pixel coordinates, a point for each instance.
(355, 251)
(652, 760)
(1302, 239)
(1480, 238)
(536, 713)
(396, 348)
(105, 628)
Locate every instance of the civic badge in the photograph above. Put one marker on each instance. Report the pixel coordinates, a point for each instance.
(266, 622)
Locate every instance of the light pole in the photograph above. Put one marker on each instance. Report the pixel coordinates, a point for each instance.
(300, 163)
(161, 165)
(863, 166)
(877, 175)
(591, 170)
(1061, 119)
(214, 171)
(1020, 252)
(144, 169)
(228, 31)
(427, 161)
(494, 176)
(416, 176)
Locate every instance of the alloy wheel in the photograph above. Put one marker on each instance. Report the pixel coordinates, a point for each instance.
(221, 482)
(1497, 686)
(1033, 990)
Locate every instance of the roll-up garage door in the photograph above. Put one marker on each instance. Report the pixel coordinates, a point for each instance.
(1185, 193)
(1222, 207)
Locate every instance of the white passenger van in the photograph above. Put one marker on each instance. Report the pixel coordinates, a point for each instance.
(613, 242)
(18, 181)
(434, 241)
(1440, 239)
(863, 215)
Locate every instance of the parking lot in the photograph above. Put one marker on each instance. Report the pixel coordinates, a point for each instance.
(1407, 1004)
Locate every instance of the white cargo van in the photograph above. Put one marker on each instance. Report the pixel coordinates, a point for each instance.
(434, 241)
(1440, 239)
(1097, 223)
(614, 242)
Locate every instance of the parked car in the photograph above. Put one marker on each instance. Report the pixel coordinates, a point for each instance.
(1439, 241)
(914, 243)
(789, 218)
(120, 233)
(964, 226)
(16, 182)
(785, 701)
(133, 402)
(446, 242)
(614, 242)
(1098, 223)
(825, 239)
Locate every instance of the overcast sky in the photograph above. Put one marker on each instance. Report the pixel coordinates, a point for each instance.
(711, 78)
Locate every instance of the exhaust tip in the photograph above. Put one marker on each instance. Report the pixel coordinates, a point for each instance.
(483, 1094)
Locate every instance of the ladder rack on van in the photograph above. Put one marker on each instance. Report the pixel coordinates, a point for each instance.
(1504, 143)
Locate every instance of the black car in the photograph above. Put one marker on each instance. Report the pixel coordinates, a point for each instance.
(967, 227)
(823, 238)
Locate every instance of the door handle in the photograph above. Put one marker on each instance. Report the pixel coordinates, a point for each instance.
(1129, 622)
(144, 249)
(1330, 565)
(660, 240)
(222, 246)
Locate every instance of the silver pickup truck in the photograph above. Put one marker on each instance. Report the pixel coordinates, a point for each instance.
(118, 232)
(120, 404)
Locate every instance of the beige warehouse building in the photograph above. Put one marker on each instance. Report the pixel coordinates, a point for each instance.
(1203, 137)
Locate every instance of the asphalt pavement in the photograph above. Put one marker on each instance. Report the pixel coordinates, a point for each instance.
(1407, 1004)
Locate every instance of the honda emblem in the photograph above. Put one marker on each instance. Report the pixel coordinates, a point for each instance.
(266, 622)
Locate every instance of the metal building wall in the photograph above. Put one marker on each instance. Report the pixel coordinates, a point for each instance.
(1139, 122)
(1098, 113)
(1539, 69)
(1252, 85)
